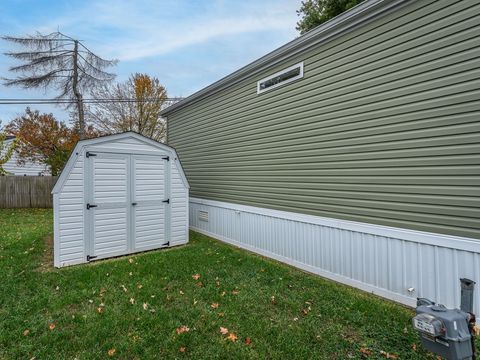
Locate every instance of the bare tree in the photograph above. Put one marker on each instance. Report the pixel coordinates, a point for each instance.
(135, 106)
(59, 61)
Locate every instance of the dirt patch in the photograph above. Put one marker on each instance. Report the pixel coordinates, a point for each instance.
(46, 263)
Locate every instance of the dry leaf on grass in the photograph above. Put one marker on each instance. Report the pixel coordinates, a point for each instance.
(366, 351)
(215, 305)
(196, 276)
(388, 355)
(52, 326)
(232, 337)
(139, 286)
(200, 284)
(124, 288)
(235, 292)
(100, 310)
(111, 352)
(305, 312)
(221, 314)
(130, 260)
(182, 329)
(223, 330)
(132, 301)
(248, 341)
(145, 306)
(26, 332)
(272, 300)
(182, 349)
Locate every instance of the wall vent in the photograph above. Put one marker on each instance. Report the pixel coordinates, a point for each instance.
(203, 215)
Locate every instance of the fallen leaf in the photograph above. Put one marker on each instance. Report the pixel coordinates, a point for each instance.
(196, 276)
(221, 314)
(272, 300)
(217, 283)
(182, 329)
(130, 260)
(111, 352)
(139, 286)
(182, 349)
(145, 306)
(215, 305)
(305, 312)
(366, 351)
(199, 283)
(235, 292)
(248, 341)
(26, 332)
(232, 337)
(295, 319)
(100, 310)
(223, 330)
(130, 273)
(132, 301)
(124, 288)
(181, 292)
(414, 347)
(388, 355)
(51, 326)
(223, 293)
(57, 288)
(405, 330)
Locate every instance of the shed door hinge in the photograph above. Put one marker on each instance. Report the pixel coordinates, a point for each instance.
(167, 243)
(90, 257)
(166, 158)
(166, 201)
(88, 154)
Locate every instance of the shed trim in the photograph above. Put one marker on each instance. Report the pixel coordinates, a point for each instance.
(341, 24)
(129, 134)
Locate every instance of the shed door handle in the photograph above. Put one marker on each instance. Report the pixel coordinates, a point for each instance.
(134, 203)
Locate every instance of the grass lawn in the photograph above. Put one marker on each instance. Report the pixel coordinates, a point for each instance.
(149, 305)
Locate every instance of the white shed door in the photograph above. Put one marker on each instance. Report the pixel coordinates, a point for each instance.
(149, 206)
(127, 203)
(110, 201)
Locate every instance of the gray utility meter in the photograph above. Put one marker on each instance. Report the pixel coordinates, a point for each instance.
(448, 332)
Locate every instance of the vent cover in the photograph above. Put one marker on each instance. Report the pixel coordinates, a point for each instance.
(202, 215)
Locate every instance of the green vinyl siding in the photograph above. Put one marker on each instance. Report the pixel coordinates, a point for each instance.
(384, 127)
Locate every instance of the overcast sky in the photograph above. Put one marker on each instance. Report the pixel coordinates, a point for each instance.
(187, 44)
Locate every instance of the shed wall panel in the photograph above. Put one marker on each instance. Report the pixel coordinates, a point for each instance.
(382, 129)
(70, 216)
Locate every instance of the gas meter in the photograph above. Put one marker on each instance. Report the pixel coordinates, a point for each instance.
(447, 332)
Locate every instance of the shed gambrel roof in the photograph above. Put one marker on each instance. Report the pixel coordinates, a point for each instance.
(103, 139)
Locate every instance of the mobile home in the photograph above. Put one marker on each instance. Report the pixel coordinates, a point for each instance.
(352, 152)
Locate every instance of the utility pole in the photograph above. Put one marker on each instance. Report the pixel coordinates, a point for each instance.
(78, 95)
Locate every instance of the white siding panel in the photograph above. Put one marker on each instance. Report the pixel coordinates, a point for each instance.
(382, 260)
(130, 144)
(70, 216)
(179, 208)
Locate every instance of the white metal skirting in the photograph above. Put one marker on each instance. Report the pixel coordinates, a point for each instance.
(395, 263)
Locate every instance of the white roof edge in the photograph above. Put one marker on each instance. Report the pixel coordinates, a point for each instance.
(340, 24)
(82, 143)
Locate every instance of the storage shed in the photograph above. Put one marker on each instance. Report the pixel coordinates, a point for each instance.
(117, 195)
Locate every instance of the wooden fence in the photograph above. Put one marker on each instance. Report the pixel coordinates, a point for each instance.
(26, 191)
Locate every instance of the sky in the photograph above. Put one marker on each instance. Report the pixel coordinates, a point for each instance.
(187, 44)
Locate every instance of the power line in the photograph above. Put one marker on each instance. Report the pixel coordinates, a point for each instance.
(86, 101)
